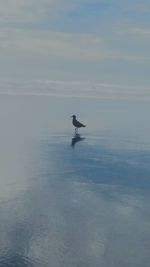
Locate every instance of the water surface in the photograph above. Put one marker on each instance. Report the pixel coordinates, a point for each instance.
(81, 205)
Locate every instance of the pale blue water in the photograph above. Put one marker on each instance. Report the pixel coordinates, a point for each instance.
(82, 205)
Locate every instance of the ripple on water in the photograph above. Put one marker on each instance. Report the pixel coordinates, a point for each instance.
(16, 260)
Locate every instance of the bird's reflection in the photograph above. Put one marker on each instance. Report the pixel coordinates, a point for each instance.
(76, 138)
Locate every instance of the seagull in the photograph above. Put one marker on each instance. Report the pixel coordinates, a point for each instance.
(76, 124)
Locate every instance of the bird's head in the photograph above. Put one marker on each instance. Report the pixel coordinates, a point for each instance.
(73, 116)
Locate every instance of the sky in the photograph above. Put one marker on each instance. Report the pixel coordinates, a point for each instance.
(83, 41)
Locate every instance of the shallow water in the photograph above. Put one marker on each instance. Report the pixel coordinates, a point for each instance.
(85, 204)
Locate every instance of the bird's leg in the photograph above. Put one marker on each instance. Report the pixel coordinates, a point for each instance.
(76, 130)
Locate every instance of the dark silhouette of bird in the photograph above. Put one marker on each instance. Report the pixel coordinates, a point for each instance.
(76, 123)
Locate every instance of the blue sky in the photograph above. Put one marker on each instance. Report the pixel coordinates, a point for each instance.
(83, 40)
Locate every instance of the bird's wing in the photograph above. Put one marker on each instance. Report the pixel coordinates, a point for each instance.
(79, 124)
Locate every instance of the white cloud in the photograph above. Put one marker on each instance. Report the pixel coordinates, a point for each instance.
(25, 44)
(67, 46)
(34, 10)
(54, 44)
(29, 10)
(134, 31)
(75, 89)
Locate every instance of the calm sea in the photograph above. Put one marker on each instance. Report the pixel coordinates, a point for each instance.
(74, 202)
